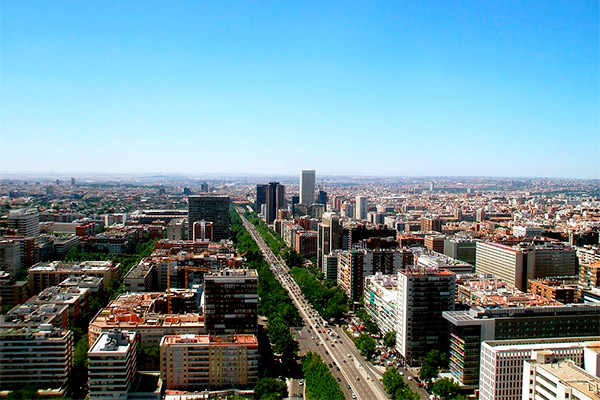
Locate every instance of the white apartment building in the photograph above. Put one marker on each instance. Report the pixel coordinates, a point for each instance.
(380, 298)
(560, 380)
(112, 365)
(501, 370)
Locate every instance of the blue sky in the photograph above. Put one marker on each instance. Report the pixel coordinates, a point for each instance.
(485, 88)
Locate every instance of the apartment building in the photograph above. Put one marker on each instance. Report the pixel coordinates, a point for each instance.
(40, 356)
(198, 362)
(112, 365)
(380, 300)
(44, 275)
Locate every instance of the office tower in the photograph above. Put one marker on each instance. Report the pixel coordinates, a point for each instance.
(72, 181)
(431, 186)
(329, 236)
(204, 187)
(112, 365)
(25, 221)
(213, 209)
(515, 265)
(275, 200)
(322, 197)
(362, 207)
(231, 301)
(307, 186)
(41, 356)
(197, 362)
(468, 329)
(422, 297)
(295, 200)
(261, 196)
(460, 249)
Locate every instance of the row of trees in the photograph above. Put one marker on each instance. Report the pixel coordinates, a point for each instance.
(274, 241)
(366, 345)
(367, 321)
(394, 385)
(320, 384)
(433, 362)
(276, 305)
(329, 300)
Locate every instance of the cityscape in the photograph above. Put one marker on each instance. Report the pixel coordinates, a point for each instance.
(300, 200)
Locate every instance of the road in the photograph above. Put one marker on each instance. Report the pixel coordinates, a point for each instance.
(355, 375)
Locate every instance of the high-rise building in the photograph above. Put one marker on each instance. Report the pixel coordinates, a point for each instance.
(422, 297)
(355, 265)
(10, 257)
(198, 362)
(25, 221)
(322, 197)
(275, 200)
(329, 236)
(41, 356)
(380, 300)
(112, 365)
(231, 302)
(460, 249)
(362, 208)
(213, 209)
(515, 265)
(261, 196)
(307, 186)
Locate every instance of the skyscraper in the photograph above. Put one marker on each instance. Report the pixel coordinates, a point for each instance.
(362, 207)
(307, 186)
(275, 200)
(213, 209)
(261, 196)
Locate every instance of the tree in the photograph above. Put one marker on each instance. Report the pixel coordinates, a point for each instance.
(427, 372)
(394, 384)
(148, 357)
(433, 362)
(270, 388)
(366, 344)
(447, 389)
(390, 339)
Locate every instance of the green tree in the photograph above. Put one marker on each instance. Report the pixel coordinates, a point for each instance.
(320, 384)
(271, 389)
(447, 389)
(427, 373)
(390, 339)
(366, 344)
(395, 386)
(148, 357)
(28, 392)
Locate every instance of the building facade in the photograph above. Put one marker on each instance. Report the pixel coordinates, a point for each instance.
(213, 209)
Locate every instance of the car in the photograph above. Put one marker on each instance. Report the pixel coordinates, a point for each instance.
(353, 395)
(409, 378)
(357, 378)
(301, 383)
(338, 378)
(348, 386)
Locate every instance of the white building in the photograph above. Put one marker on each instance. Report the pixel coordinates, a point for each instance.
(558, 380)
(501, 370)
(307, 186)
(380, 297)
(112, 365)
(362, 208)
(526, 231)
(25, 221)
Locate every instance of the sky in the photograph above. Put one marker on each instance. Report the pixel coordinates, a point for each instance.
(395, 88)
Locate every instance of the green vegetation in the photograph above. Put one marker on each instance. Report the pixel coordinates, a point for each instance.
(447, 389)
(389, 340)
(127, 262)
(274, 303)
(270, 389)
(79, 372)
(433, 362)
(272, 239)
(367, 321)
(320, 384)
(395, 386)
(366, 345)
(330, 301)
(148, 357)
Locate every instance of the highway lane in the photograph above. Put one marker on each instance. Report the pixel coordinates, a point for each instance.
(353, 372)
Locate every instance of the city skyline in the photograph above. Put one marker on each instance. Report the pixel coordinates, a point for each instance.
(402, 89)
